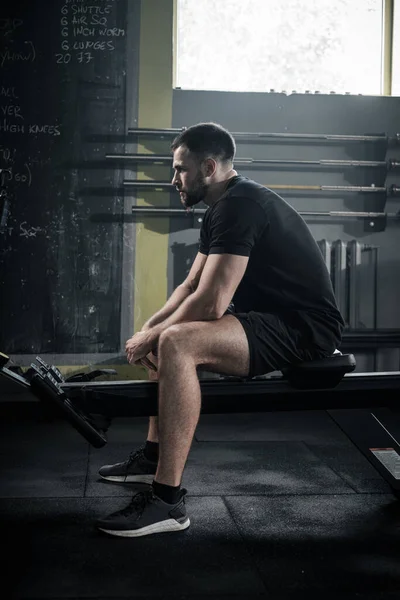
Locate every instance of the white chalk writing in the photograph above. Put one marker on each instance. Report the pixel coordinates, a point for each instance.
(7, 154)
(8, 26)
(8, 92)
(13, 54)
(5, 176)
(47, 129)
(7, 127)
(80, 21)
(12, 111)
(12, 120)
(96, 10)
(83, 1)
(92, 45)
(31, 129)
(22, 175)
(29, 232)
(113, 32)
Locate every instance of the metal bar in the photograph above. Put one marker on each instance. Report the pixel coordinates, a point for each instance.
(387, 47)
(313, 188)
(330, 188)
(256, 135)
(167, 211)
(140, 158)
(157, 158)
(348, 214)
(332, 213)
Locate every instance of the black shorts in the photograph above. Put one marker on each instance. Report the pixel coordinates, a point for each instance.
(275, 342)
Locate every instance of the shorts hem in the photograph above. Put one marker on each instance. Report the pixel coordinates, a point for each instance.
(250, 341)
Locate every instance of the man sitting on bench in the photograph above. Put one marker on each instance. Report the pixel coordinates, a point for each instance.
(256, 252)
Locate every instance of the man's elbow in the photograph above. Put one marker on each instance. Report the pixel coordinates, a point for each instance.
(218, 313)
(211, 309)
(216, 310)
(210, 313)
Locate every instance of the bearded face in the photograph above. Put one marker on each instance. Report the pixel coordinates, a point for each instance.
(189, 178)
(195, 191)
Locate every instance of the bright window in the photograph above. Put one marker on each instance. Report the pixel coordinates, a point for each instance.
(258, 45)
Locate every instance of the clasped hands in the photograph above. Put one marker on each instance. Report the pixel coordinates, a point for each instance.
(139, 346)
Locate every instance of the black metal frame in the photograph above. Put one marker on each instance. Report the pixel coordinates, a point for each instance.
(139, 398)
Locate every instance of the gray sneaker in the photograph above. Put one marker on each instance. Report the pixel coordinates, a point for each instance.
(146, 514)
(135, 469)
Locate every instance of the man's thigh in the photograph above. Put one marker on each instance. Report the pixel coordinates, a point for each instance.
(274, 342)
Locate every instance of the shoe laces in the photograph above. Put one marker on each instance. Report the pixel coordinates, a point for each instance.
(134, 455)
(138, 503)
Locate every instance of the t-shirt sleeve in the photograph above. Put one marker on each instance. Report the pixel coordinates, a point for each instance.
(235, 225)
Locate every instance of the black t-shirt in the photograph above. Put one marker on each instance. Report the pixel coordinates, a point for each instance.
(286, 273)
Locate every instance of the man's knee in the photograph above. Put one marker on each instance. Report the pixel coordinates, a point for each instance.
(173, 338)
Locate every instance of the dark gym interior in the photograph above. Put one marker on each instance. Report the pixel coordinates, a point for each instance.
(292, 494)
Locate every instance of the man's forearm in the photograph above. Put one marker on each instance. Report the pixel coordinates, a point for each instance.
(178, 296)
(194, 308)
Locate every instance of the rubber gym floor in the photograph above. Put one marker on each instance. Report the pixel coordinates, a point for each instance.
(282, 506)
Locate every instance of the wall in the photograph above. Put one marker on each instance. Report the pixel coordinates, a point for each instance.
(155, 111)
(100, 102)
(319, 114)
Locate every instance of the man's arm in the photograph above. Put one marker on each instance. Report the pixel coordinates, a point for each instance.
(219, 279)
(180, 294)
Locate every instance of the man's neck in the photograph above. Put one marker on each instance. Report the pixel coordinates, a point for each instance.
(217, 190)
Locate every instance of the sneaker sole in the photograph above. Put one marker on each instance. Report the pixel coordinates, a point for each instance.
(129, 478)
(161, 527)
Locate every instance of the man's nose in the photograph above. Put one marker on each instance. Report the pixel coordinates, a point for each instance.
(175, 179)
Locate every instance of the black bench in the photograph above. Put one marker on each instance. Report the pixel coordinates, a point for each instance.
(321, 373)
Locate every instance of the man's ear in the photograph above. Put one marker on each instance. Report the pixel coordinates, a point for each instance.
(209, 167)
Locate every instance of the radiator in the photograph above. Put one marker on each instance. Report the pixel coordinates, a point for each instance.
(353, 268)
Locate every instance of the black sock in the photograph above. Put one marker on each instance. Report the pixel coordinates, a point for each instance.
(151, 451)
(168, 493)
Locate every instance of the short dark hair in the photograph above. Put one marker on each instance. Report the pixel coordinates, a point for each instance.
(207, 140)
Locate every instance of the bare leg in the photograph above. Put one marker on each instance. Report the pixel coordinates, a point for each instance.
(219, 346)
(178, 379)
(152, 435)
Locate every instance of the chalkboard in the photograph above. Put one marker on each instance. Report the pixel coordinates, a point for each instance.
(63, 78)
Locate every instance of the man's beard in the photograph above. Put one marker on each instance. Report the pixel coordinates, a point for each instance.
(198, 191)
